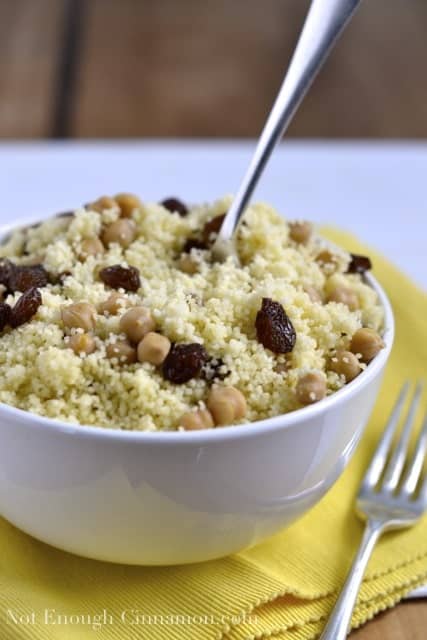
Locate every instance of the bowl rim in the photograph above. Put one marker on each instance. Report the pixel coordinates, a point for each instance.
(283, 421)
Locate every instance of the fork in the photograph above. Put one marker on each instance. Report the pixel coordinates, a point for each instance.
(392, 495)
(325, 21)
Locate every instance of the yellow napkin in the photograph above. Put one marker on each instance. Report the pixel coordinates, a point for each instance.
(284, 588)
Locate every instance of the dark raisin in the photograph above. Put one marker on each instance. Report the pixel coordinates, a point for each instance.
(65, 214)
(359, 264)
(119, 277)
(214, 369)
(30, 227)
(175, 206)
(273, 327)
(26, 307)
(59, 278)
(184, 362)
(212, 226)
(5, 313)
(6, 268)
(194, 243)
(23, 278)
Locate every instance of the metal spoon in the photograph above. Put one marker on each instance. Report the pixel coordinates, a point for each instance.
(325, 21)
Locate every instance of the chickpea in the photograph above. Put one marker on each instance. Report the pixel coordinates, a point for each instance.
(327, 260)
(82, 343)
(366, 342)
(122, 350)
(153, 348)
(311, 387)
(104, 202)
(300, 232)
(314, 294)
(113, 304)
(80, 315)
(346, 364)
(127, 203)
(188, 264)
(226, 405)
(346, 296)
(91, 247)
(136, 323)
(121, 231)
(195, 420)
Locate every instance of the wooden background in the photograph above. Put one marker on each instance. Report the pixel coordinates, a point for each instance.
(121, 68)
(138, 68)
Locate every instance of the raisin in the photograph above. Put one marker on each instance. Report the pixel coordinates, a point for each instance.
(59, 278)
(359, 264)
(214, 369)
(6, 268)
(194, 243)
(212, 226)
(274, 329)
(65, 214)
(202, 243)
(184, 362)
(119, 277)
(20, 278)
(26, 307)
(23, 278)
(175, 206)
(5, 313)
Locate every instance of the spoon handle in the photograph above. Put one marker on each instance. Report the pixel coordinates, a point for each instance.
(325, 21)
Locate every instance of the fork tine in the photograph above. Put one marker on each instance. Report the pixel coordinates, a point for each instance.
(413, 471)
(397, 462)
(379, 458)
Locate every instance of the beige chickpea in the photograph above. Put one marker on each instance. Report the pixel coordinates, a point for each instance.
(127, 203)
(226, 404)
(314, 294)
(346, 364)
(195, 420)
(327, 260)
(122, 350)
(113, 304)
(300, 232)
(345, 296)
(311, 387)
(122, 231)
(104, 202)
(136, 323)
(188, 264)
(80, 315)
(91, 247)
(366, 342)
(153, 348)
(82, 343)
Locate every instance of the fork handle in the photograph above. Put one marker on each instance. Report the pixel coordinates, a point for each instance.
(339, 622)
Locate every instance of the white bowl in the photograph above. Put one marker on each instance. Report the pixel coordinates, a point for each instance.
(179, 497)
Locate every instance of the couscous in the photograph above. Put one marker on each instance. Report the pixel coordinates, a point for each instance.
(116, 316)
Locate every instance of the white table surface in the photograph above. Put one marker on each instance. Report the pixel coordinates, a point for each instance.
(376, 190)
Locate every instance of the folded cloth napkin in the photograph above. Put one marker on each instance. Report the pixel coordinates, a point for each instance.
(283, 588)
